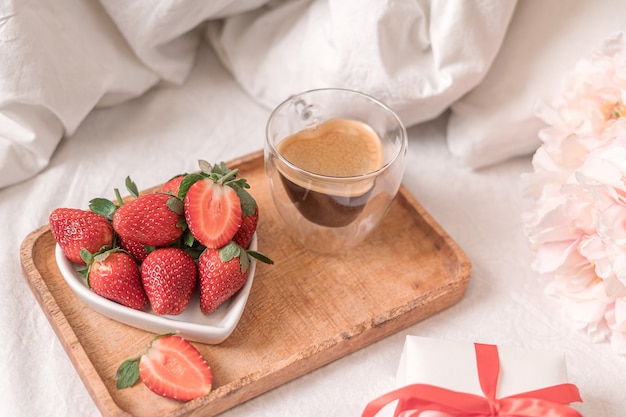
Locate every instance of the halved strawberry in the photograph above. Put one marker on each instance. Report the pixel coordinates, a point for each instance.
(74, 229)
(114, 275)
(171, 367)
(169, 277)
(213, 212)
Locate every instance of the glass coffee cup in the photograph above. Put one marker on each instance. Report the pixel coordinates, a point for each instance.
(334, 159)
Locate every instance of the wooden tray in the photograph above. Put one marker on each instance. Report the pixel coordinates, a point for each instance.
(303, 312)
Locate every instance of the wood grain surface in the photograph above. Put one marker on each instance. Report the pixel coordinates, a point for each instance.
(303, 312)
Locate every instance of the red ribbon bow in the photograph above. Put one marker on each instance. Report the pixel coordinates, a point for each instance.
(546, 402)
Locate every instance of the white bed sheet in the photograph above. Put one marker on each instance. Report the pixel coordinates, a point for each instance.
(165, 132)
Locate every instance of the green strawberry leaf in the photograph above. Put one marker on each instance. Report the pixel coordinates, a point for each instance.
(102, 255)
(84, 275)
(128, 373)
(188, 239)
(236, 182)
(220, 169)
(131, 187)
(226, 178)
(176, 205)
(248, 204)
(187, 182)
(232, 250)
(205, 167)
(181, 223)
(103, 207)
(261, 257)
(244, 261)
(229, 251)
(86, 256)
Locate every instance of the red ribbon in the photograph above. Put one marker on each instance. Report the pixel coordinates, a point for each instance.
(546, 402)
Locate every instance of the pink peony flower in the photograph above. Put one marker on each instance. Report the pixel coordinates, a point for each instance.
(591, 100)
(576, 217)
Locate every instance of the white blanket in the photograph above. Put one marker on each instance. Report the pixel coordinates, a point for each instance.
(63, 58)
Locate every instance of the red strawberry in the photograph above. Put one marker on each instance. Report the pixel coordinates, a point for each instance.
(169, 278)
(173, 185)
(213, 212)
(171, 367)
(74, 229)
(135, 249)
(250, 218)
(221, 276)
(152, 219)
(247, 229)
(114, 275)
(222, 273)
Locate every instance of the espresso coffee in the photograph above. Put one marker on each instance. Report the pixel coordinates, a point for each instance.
(335, 149)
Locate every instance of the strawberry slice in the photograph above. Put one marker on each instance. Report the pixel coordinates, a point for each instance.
(171, 367)
(213, 212)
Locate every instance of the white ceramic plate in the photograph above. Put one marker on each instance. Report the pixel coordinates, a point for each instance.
(190, 324)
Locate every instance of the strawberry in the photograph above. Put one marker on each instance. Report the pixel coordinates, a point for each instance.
(169, 278)
(171, 367)
(137, 250)
(173, 185)
(247, 229)
(213, 210)
(152, 219)
(222, 273)
(250, 218)
(114, 275)
(74, 229)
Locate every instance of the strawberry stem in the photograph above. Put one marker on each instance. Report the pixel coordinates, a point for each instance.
(226, 177)
(118, 196)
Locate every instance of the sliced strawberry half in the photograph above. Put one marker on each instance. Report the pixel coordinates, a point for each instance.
(213, 212)
(171, 367)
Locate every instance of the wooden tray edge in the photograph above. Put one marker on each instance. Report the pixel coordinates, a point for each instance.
(66, 335)
(465, 265)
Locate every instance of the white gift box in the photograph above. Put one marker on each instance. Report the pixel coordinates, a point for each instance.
(452, 365)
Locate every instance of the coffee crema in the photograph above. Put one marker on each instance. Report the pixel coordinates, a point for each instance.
(336, 148)
(341, 149)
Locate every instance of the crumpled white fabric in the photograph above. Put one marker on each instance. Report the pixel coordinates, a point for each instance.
(416, 56)
(496, 120)
(63, 58)
(59, 60)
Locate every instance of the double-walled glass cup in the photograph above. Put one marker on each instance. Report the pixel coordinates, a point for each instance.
(334, 210)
